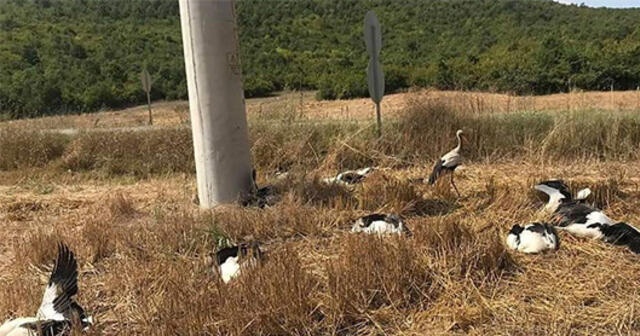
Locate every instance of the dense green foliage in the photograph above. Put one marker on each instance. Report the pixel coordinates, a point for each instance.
(60, 56)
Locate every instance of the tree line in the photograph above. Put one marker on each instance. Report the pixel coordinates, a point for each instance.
(68, 56)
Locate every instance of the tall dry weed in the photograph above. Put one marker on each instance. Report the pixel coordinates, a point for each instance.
(139, 153)
(588, 134)
(21, 149)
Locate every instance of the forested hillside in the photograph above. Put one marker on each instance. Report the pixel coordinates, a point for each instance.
(60, 56)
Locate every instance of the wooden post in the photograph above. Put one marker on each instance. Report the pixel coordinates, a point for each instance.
(216, 100)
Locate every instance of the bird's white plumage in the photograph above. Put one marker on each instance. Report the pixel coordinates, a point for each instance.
(513, 241)
(528, 241)
(555, 197)
(12, 327)
(364, 171)
(452, 159)
(598, 217)
(229, 269)
(282, 175)
(379, 227)
(584, 231)
(583, 194)
(46, 310)
(22, 332)
(340, 178)
(531, 243)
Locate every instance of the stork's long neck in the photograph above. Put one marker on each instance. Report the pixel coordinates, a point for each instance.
(459, 142)
(555, 199)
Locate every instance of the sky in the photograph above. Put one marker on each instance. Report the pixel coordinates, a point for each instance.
(604, 3)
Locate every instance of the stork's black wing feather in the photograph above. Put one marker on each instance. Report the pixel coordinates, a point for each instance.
(437, 170)
(634, 245)
(516, 229)
(227, 252)
(63, 283)
(573, 212)
(550, 229)
(537, 228)
(620, 233)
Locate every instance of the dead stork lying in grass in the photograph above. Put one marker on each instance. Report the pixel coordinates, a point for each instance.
(573, 215)
(380, 224)
(59, 311)
(350, 177)
(533, 238)
(448, 163)
(231, 260)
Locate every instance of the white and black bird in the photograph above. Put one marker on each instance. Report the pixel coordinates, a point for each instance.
(573, 215)
(350, 177)
(620, 234)
(380, 224)
(448, 163)
(559, 193)
(230, 261)
(533, 238)
(59, 311)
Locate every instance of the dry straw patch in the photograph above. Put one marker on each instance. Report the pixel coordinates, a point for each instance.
(143, 272)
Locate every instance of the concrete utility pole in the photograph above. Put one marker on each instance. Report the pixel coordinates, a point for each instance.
(216, 100)
(375, 76)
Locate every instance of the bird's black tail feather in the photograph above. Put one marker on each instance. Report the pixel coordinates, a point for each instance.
(437, 169)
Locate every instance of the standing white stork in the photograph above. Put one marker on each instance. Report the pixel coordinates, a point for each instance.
(448, 163)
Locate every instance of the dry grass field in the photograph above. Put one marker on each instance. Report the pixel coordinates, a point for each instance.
(123, 202)
(296, 105)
